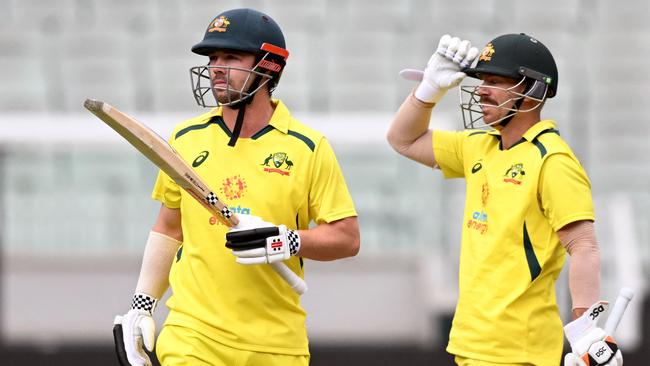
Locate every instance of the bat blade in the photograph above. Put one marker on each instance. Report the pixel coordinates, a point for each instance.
(159, 152)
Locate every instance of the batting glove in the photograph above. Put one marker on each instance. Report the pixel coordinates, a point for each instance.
(135, 329)
(590, 344)
(443, 70)
(255, 241)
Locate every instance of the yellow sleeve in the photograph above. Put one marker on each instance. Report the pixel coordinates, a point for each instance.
(166, 191)
(448, 152)
(329, 199)
(565, 191)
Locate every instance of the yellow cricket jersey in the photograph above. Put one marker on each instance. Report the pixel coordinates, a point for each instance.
(287, 174)
(510, 257)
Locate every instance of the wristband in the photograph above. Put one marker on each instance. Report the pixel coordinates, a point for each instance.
(294, 242)
(142, 301)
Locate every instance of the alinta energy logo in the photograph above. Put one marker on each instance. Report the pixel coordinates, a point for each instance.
(514, 174)
(278, 162)
(478, 222)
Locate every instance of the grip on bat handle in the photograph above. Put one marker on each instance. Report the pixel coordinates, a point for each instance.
(296, 283)
(624, 297)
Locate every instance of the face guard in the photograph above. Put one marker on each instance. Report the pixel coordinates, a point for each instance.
(472, 108)
(518, 57)
(266, 69)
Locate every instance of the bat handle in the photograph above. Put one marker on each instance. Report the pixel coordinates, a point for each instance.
(616, 315)
(296, 283)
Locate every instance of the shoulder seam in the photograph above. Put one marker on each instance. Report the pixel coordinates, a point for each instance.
(540, 145)
(183, 131)
(310, 144)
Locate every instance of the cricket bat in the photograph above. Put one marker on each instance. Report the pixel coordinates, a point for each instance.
(624, 297)
(159, 152)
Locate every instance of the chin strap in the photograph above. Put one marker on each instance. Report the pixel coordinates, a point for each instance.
(512, 113)
(238, 122)
(241, 107)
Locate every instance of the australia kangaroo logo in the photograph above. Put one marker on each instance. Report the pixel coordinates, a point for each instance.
(278, 162)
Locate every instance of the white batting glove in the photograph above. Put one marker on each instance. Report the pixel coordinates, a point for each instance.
(255, 241)
(443, 70)
(134, 330)
(590, 344)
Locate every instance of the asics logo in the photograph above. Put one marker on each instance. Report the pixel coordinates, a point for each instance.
(200, 159)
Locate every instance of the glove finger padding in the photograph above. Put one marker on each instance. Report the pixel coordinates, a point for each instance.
(249, 258)
(138, 325)
(250, 253)
(442, 45)
(452, 48)
(472, 53)
(147, 329)
(243, 239)
(463, 47)
(247, 222)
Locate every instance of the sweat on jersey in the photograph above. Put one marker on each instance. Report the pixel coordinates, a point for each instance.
(511, 255)
(286, 173)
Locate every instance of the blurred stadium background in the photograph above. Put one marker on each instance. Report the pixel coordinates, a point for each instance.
(74, 199)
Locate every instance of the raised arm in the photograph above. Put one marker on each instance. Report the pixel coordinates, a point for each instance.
(409, 133)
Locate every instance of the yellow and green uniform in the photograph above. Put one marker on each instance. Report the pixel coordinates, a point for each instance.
(286, 174)
(516, 201)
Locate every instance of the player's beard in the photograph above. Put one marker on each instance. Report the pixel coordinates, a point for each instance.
(492, 111)
(225, 92)
(224, 96)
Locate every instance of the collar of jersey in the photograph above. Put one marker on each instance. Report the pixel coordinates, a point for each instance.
(538, 128)
(532, 132)
(279, 120)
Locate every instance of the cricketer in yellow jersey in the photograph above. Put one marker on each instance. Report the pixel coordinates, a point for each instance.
(528, 203)
(228, 307)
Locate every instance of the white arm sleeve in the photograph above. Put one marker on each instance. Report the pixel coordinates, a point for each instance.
(157, 261)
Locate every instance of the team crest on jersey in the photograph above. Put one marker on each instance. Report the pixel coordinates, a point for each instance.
(486, 54)
(233, 188)
(219, 25)
(278, 162)
(514, 174)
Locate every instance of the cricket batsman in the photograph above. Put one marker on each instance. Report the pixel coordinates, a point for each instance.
(528, 203)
